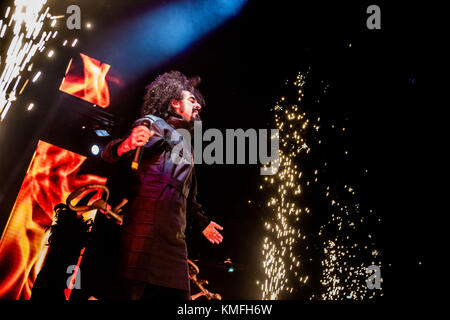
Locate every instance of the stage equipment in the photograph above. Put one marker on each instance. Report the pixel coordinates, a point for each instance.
(193, 272)
(100, 204)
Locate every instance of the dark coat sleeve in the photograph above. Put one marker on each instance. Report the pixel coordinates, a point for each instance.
(194, 211)
(109, 153)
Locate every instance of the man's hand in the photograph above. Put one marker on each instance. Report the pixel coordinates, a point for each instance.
(212, 234)
(138, 137)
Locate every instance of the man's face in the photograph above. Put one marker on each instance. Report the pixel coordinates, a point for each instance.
(188, 106)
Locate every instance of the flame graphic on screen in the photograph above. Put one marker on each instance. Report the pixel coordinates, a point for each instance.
(90, 84)
(51, 177)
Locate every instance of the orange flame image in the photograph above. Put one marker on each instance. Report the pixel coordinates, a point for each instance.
(51, 177)
(91, 84)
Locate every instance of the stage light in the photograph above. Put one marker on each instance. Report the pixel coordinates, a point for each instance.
(230, 268)
(74, 42)
(89, 25)
(102, 133)
(50, 54)
(95, 149)
(174, 27)
(30, 106)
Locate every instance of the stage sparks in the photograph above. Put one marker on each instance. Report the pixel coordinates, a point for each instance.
(26, 27)
(281, 262)
(319, 240)
(348, 249)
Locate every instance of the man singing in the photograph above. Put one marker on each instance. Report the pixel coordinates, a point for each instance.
(163, 193)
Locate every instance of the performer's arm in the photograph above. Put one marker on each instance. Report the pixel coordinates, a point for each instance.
(110, 152)
(139, 136)
(195, 213)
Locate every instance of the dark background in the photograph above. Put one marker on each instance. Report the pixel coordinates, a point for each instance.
(377, 87)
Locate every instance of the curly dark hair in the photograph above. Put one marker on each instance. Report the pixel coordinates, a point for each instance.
(166, 87)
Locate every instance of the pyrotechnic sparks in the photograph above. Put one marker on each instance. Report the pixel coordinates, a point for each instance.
(348, 250)
(281, 263)
(25, 29)
(345, 243)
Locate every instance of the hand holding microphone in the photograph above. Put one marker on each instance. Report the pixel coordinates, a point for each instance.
(137, 139)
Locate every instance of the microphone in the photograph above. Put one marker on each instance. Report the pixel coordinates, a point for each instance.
(139, 150)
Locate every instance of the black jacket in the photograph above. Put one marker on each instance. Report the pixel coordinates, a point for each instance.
(163, 196)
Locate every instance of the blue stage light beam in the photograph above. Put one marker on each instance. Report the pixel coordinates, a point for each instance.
(154, 37)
